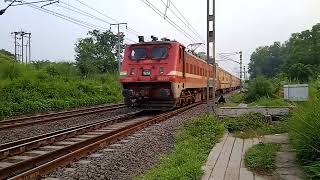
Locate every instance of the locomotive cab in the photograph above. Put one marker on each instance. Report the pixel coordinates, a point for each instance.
(147, 74)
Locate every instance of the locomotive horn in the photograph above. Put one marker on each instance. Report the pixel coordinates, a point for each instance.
(141, 39)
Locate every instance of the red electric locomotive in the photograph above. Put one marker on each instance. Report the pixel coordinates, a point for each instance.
(161, 75)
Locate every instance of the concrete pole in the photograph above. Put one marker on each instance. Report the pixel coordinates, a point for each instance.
(211, 39)
(118, 46)
(22, 45)
(29, 46)
(15, 46)
(240, 70)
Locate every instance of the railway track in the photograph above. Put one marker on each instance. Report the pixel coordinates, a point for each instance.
(31, 120)
(33, 157)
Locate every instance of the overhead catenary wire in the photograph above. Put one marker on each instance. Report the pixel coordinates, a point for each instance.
(181, 30)
(103, 14)
(184, 20)
(74, 20)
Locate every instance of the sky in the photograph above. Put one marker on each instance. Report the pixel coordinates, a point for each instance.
(241, 25)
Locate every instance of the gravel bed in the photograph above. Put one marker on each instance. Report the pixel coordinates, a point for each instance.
(131, 156)
(47, 127)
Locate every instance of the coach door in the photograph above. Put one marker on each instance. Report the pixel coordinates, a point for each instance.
(182, 59)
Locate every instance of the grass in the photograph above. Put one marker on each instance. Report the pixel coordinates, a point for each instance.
(253, 125)
(304, 132)
(270, 102)
(45, 86)
(237, 97)
(261, 158)
(193, 144)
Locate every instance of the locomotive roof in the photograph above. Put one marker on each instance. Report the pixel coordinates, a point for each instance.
(154, 42)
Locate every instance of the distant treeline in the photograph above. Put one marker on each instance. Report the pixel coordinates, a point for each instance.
(298, 59)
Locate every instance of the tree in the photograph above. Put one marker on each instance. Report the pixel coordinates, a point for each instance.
(7, 53)
(300, 53)
(96, 53)
(300, 72)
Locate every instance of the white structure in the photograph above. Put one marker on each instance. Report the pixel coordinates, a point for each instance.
(296, 92)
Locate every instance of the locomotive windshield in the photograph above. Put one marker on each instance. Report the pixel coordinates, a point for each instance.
(159, 52)
(139, 53)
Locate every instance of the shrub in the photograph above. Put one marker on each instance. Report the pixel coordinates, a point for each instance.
(253, 125)
(45, 86)
(193, 144)
(261, 158)
(269, 102)
(304, 134)
(237, 97)
(258, 88)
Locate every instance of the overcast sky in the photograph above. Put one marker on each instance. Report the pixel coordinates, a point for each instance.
(240, 24)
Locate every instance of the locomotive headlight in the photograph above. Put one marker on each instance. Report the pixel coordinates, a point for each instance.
(132, 71)
(161, 70)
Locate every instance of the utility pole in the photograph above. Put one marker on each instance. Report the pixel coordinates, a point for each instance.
(211, 40)
(22, 45)
(244, 73)
(240, 70)
(119, 47)
(22, 50)
(29, 37)
(15, 45)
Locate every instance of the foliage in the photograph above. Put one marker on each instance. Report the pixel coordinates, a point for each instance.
(258, 88)
(253, 125)
(304, 133)
(261, 158)
(298, 57)
(193, 144)
(6, 53)
(269, 102)
(95, 54)
(300, 72)
(237, 97)
(5, 57)
(44, 86)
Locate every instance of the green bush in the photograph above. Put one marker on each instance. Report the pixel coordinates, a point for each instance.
(45, 86)
(258, 88)
(193, 144)
(269, 102)
(253, 125)
(237, 97)
(304, 134)
(261, 158)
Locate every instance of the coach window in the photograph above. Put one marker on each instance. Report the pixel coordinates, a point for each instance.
(191, 69)
(159, 52)
(138, 53)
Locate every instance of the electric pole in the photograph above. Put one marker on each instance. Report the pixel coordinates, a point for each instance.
(15, 45)
(119, 47)
(244, 73)
(211, 40)
(21, 47)
(240, 70)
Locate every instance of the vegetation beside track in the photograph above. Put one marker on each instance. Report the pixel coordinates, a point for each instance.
(193, 144)
(253, 125)
(47, 86)
(261, 158)
(304, 132)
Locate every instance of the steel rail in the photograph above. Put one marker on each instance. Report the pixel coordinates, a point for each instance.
(21, 146)
(43, 164)
(31, 120)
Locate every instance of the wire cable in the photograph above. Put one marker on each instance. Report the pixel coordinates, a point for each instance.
(156, 10)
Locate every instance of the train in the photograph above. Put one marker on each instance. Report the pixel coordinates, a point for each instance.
(162, 75)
